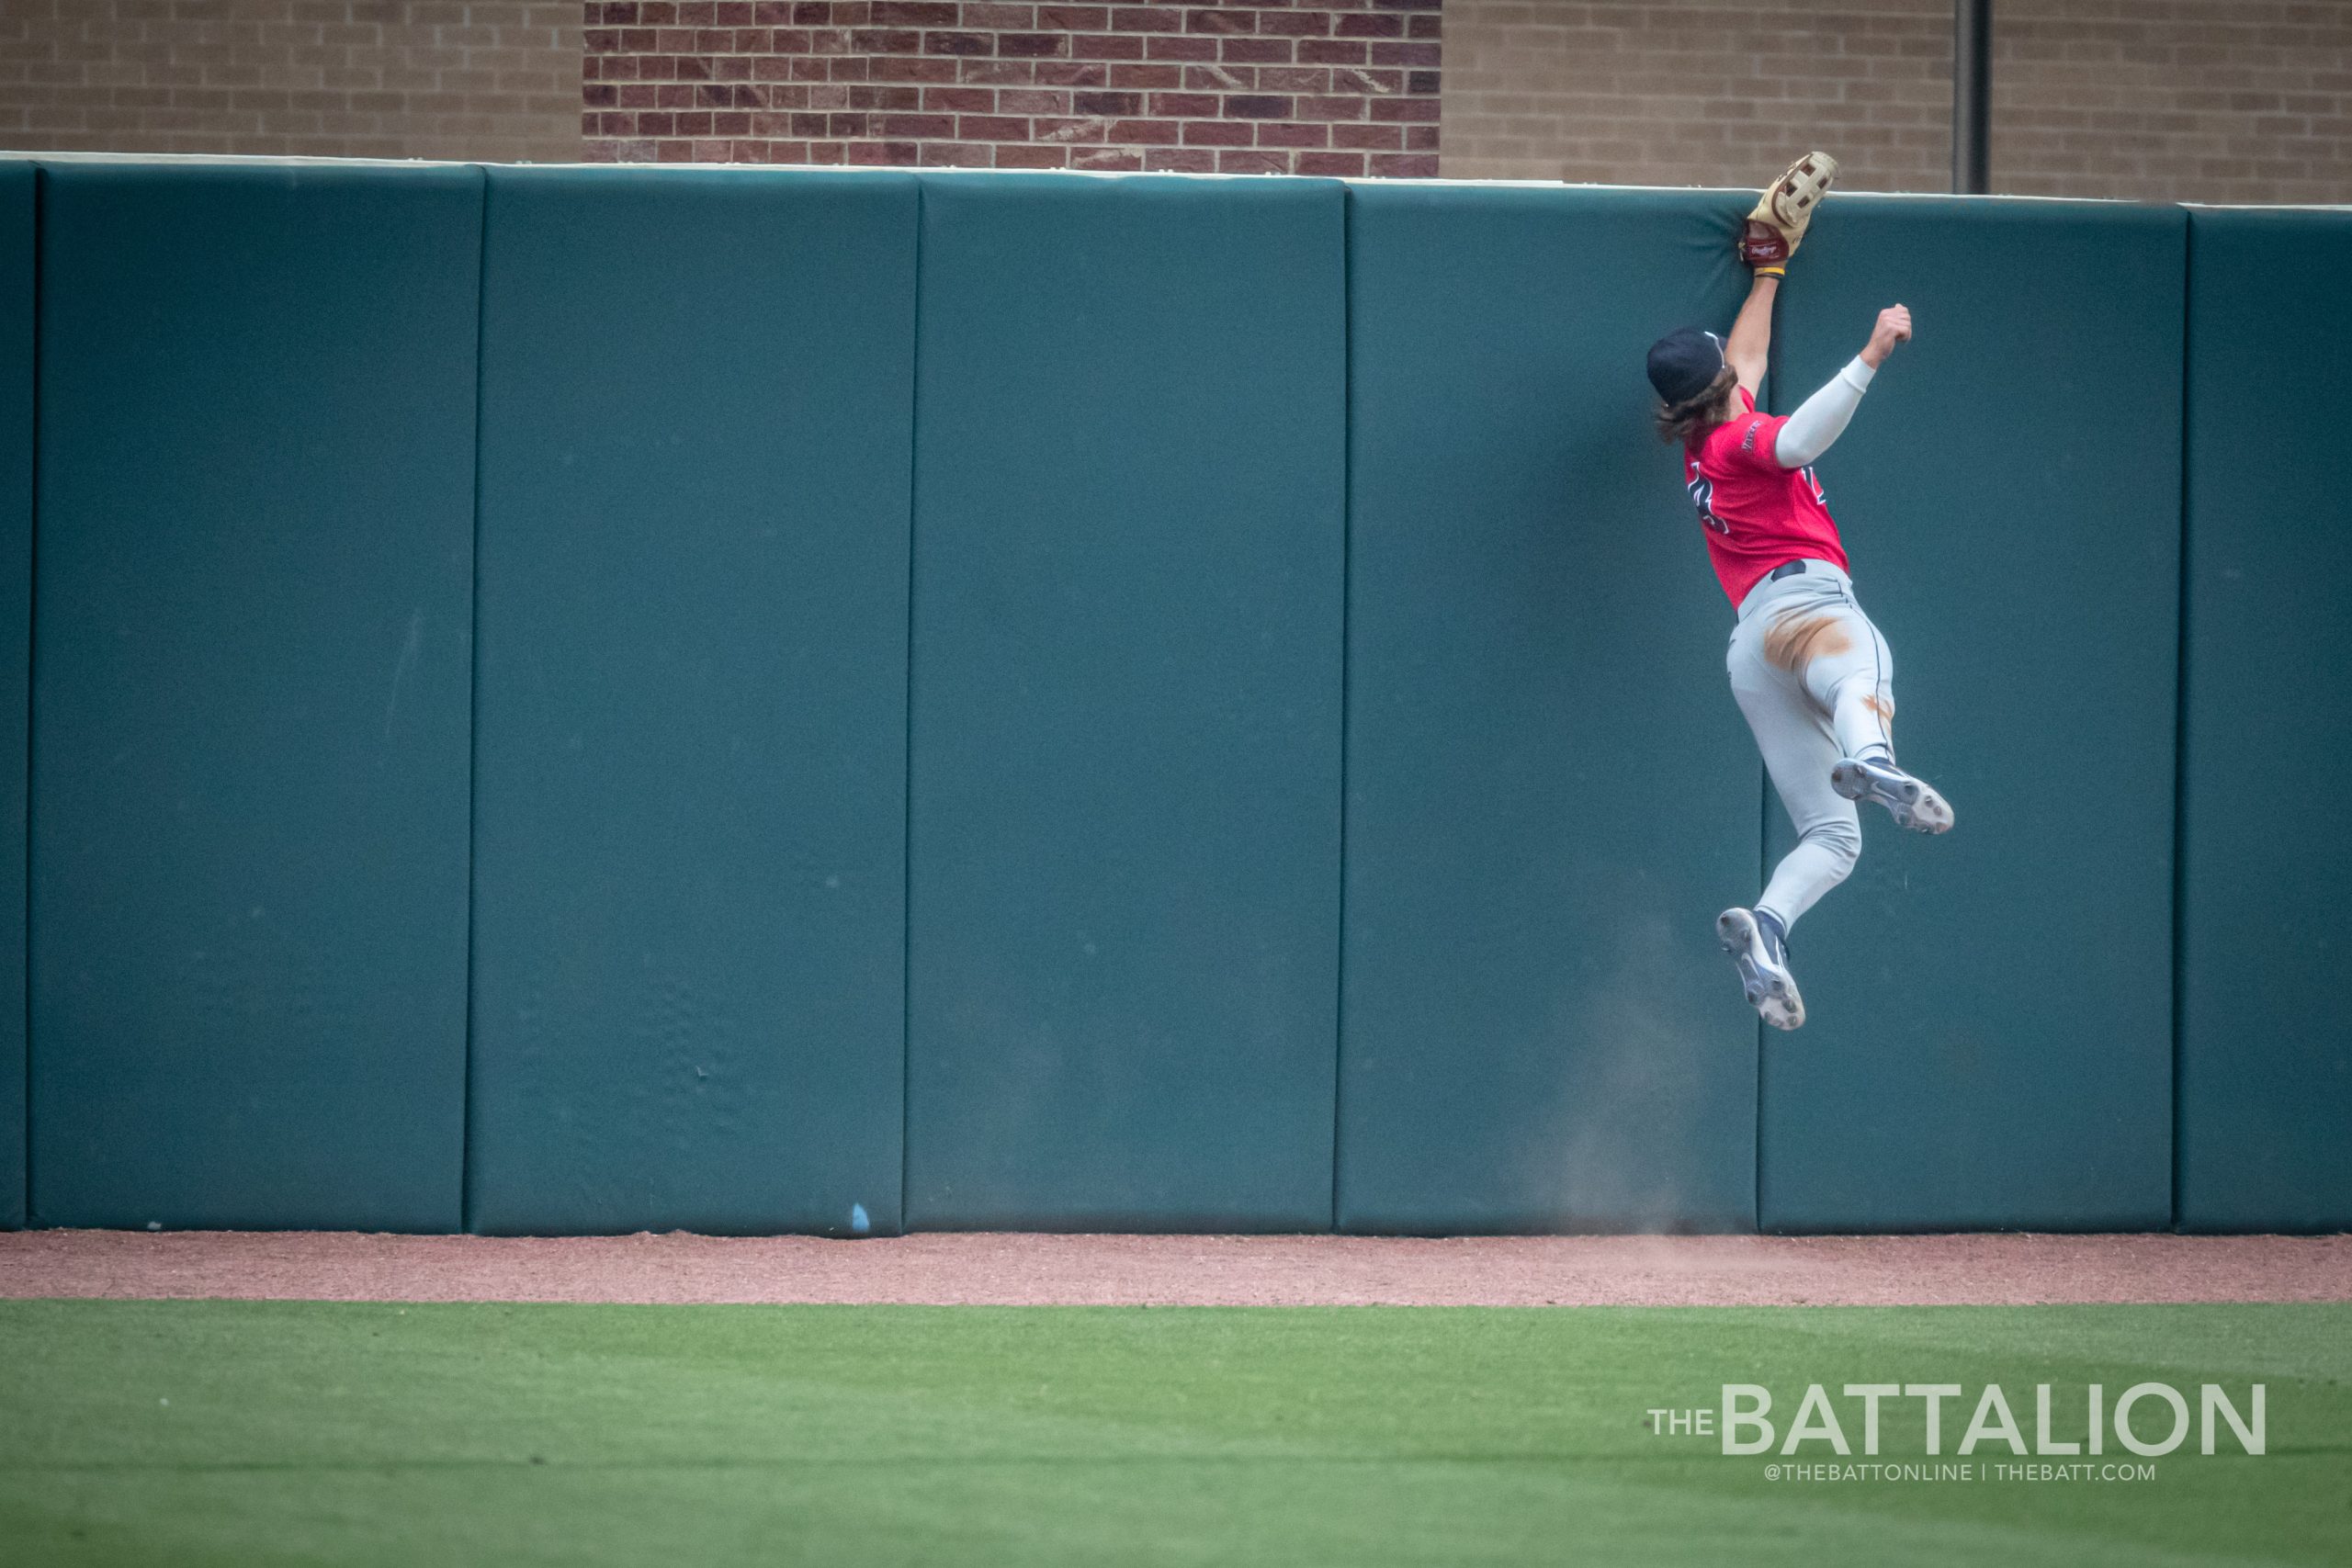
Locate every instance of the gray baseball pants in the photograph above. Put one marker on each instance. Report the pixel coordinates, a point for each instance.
(1816, 682)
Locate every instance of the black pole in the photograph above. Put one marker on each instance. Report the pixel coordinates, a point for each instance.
(1971, 76)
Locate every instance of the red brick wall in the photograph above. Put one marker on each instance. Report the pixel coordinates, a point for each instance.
(1277, 86)
(490, 79)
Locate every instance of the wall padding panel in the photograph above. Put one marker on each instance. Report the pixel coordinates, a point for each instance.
(1126, 646)
(689, 858)
(1550, 792)
(17, 198)
(2266, 1055)
(250, 771)
(1990, 1034)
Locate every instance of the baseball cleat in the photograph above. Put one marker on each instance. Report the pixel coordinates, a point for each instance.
(1913, 803)
(1763, 967)
(1773, 232)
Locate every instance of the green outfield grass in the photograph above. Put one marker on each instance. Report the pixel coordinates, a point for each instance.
(253, 1433)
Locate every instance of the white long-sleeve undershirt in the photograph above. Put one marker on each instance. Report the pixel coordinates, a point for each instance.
(1822, 417)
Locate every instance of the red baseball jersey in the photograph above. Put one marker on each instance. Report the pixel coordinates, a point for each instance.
(1757, 515)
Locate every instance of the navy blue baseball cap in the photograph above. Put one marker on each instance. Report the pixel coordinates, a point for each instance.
(1685, 363)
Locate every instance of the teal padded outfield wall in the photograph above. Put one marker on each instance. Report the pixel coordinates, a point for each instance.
(253, 592)
(16, 654)
(1124, 923)
(2265, 1076)
(1549, 791)
(1991, 1035)
(576, 700)
(690, 702)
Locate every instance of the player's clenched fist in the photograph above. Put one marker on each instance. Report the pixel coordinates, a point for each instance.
(1894, 327)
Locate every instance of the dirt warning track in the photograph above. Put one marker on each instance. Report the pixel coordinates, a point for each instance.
(1183, 1270)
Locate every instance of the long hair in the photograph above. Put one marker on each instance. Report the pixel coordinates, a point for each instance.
(1690, 420)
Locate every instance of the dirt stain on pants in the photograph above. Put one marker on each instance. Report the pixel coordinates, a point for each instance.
(1796, 641)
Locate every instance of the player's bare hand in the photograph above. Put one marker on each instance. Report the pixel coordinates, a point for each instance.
(1894, 327)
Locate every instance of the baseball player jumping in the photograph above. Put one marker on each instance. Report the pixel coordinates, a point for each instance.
(1809, 670)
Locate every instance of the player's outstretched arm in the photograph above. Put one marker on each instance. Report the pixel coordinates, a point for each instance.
(1748, 348)
(1822, 417)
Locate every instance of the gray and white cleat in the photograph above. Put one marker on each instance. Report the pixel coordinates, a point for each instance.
(1915, 805)
(1763, 967)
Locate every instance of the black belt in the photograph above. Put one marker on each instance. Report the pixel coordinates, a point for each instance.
(1788, 569)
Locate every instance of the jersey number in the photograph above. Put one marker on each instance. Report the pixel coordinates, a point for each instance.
(1703, 496)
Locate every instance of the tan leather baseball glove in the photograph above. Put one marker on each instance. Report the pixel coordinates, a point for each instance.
(1774, 230)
